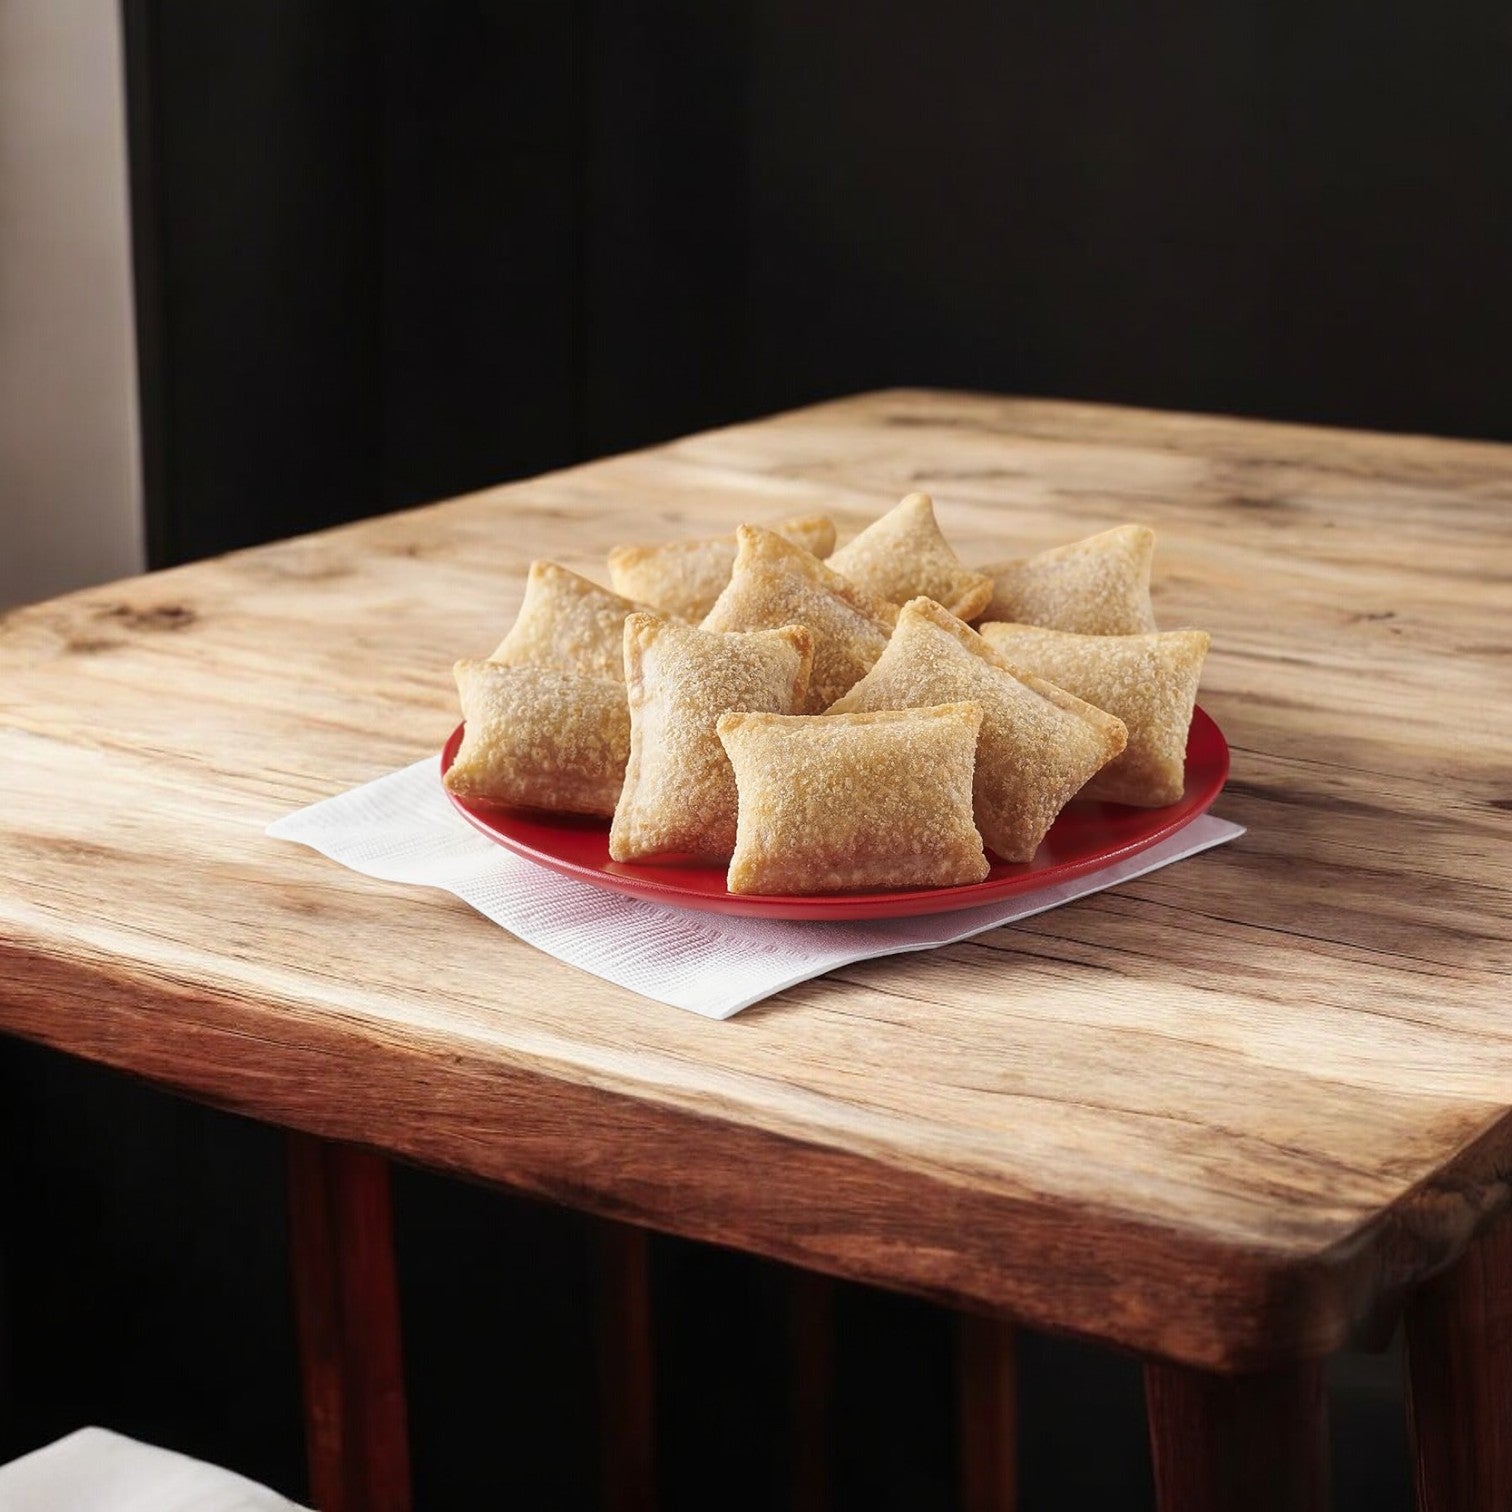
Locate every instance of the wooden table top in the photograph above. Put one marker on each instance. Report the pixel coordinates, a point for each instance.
(1223, 1114)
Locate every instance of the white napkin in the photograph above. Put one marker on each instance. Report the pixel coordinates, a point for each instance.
(403, 828)
(94, 1470)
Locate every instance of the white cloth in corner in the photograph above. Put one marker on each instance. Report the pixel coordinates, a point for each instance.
(95, 1470)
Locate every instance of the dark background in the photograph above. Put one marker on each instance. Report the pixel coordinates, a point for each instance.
(390, 251)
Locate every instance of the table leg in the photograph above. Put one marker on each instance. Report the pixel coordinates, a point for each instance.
(626, 1369)
(811, 1336)
(1256, 1443)
(1459, 1380)
(346, 1303)
(986, 1414)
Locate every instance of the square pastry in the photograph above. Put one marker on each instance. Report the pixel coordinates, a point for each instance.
(1096, 586)
(1039, 744)
(1148, 681)
(537, 737)
(679, 796)
(567, 621)
(684, 578)
(904, 555)
(776, 583)
(854, 801)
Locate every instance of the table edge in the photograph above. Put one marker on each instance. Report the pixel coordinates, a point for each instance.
(1153, 1289)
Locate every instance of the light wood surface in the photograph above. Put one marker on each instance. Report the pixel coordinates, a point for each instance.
(1224, 1114)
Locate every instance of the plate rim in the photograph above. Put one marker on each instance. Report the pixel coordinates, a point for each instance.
(846, 906)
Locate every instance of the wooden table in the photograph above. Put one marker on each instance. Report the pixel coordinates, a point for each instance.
(1233, 1116)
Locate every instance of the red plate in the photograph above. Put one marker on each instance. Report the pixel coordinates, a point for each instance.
(1086, 837)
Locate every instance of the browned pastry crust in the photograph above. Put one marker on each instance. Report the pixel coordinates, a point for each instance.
(679, 795)
(684, 578)
(537, 737)
(569, 622)
(904, 555)
(854, 801)
(1096, 586)
(776, 583)
(1039, 743)
(1148, 681)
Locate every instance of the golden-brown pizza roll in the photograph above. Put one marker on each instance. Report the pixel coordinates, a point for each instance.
(685, 577)
(854, 801)
(776, 583)
(1148, 681)
(679, 796)
(1096, 586)
(1039, 744)
(903, 555)
(568, 622)
(537, 737)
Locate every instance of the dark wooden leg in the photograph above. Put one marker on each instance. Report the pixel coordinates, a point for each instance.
(986, 1414)
(811, 1335)
(346, 1302)
(1255, 1443)
(626, 1369)
(1459, 1380)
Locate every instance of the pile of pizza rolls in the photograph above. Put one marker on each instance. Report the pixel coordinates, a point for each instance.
(819, 720)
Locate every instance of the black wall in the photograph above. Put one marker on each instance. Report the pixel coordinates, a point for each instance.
(389, 251)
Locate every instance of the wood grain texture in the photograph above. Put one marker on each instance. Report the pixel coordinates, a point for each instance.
(1225, 1114)
(346, 1305)
(1254, 1443)
(1459, 1374)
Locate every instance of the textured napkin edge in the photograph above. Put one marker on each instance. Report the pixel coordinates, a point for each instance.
(1211, 831)
(826, 946)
